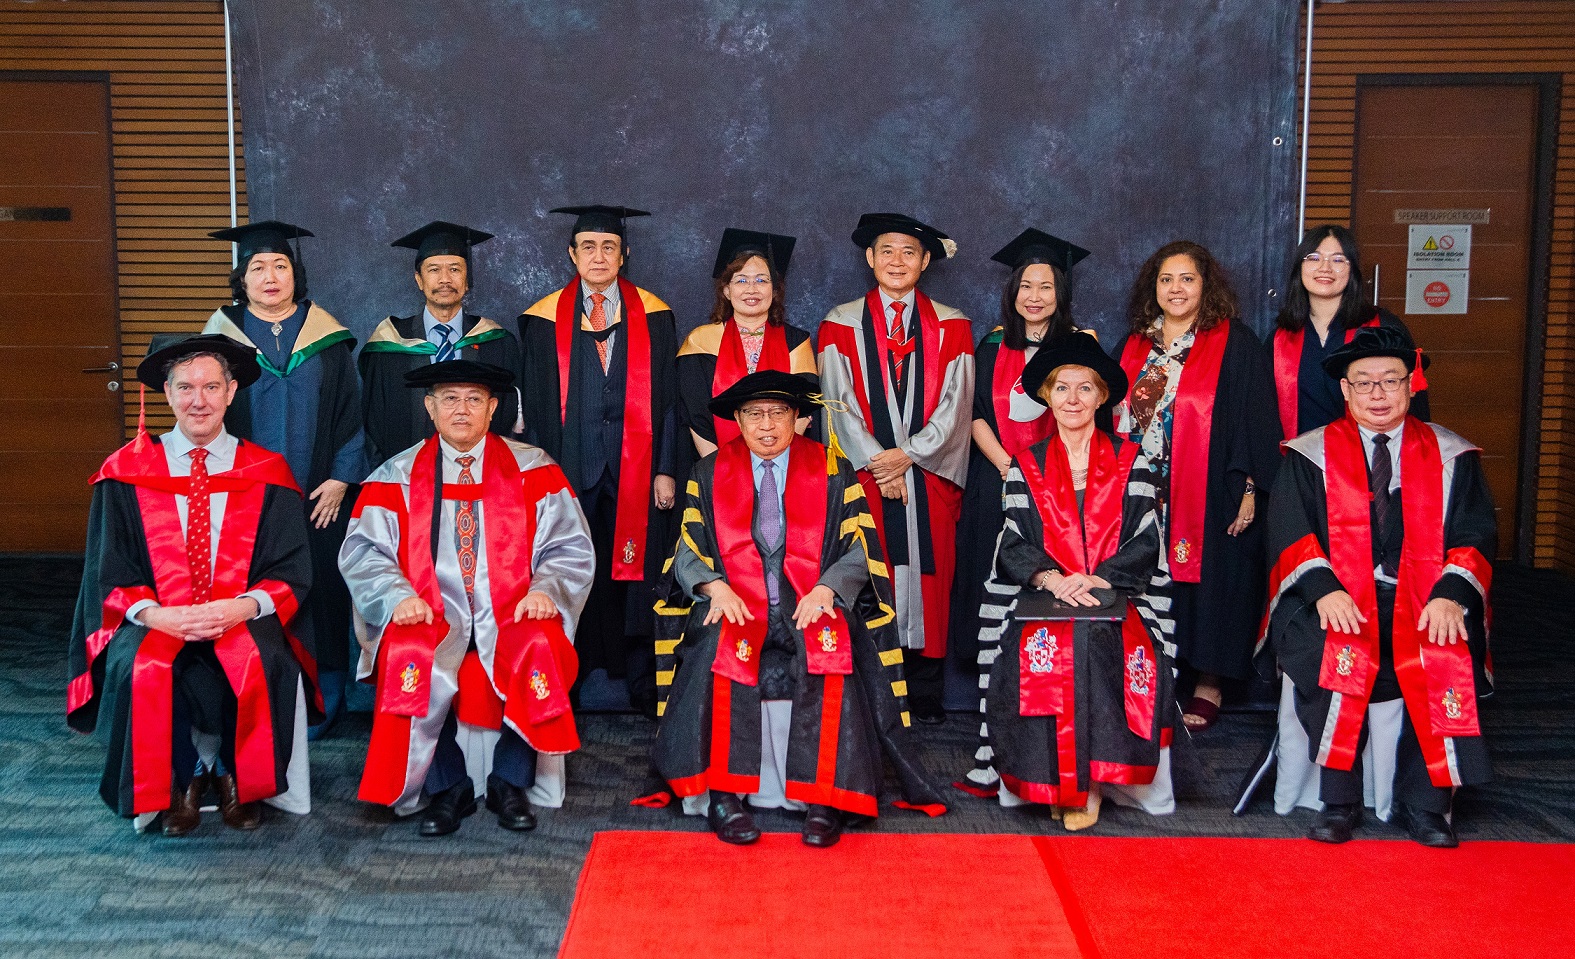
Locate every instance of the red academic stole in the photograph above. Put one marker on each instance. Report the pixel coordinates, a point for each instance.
(732, 366)
(829, 650)
(534, 662)
(1008, 379)
(142, 464)
(1287, 372)
(1193, 422)
(634, 463)
(1436, 681)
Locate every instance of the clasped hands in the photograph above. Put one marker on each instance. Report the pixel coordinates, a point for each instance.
(1072, 590)
(202, 622)
(889, 469)
(535, 605)
(1444, 619)
(726, 603)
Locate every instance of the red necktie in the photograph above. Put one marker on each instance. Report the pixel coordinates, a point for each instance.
(599, 323)
(465, 532)
(898, 344)
(199, 547)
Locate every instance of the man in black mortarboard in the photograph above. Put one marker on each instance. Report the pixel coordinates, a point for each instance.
(1379, 603)
(599, 394)
(901, 366)
(443, 330)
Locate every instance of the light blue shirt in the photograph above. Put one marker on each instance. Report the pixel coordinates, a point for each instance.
(778, 463)
(430, 323)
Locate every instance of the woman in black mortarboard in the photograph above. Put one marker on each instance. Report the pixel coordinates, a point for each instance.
(747, 332)
(1035, 307)
(306, 406)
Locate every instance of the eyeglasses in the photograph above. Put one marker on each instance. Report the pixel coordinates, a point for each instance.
(758, 415)
(1390, 384)
(1336, 260)
(453, 402)
(748, 281)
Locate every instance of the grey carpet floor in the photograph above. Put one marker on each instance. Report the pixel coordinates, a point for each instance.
(352, 881)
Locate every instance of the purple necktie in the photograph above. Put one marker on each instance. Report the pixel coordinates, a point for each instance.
(770, 522)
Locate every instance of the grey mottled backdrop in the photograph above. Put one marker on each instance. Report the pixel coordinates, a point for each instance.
(1118, 124)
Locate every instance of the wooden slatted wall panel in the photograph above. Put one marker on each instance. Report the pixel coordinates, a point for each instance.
(170, 144)
(1353, 39)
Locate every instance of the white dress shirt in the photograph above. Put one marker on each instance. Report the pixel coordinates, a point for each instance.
(1395, 435)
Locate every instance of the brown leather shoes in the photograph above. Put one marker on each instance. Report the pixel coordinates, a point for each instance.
(236, 814)
(185, 810)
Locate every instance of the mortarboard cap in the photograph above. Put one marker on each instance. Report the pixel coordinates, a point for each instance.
(440, 238)
(1074, 348)
(599, 219)
(268, 236)
(169, 348)
(774, 247)
(1369, 341)
(1037, 246)
(873, 225)
(790, 388)
(494, 378)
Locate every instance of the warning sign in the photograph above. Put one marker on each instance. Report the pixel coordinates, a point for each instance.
(1438, 247)
(1436, 291)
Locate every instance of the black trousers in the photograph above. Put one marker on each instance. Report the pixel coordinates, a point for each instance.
(604, 640)
(926, 677)
(1413, 786)
(513, 760)
(203, 702)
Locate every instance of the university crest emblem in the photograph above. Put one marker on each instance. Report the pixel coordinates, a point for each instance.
(1182, 551)
(743, 650)
(1041, 651)
(1140, 672)
(628, 551)
(409, 678)
(1451, 703)
(538, 683)
(828, 640)
(1345, 661)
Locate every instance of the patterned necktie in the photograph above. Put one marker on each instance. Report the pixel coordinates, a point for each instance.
(465, 532)
(1379, 477)
(898, 344)
(770, 522)
(445, 348)
(199, 546)
(599, 323)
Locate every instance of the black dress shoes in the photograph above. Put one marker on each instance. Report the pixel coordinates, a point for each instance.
(185, 810)
(822, 827)
(245, 816)
(1428, 828)
(927, 711)
(509, 802)
(1335, 823)
(731, 822)
(448, 808)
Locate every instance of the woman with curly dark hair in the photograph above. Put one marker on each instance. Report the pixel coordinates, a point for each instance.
(1323, 298)
(1201, 406)
(747, 332)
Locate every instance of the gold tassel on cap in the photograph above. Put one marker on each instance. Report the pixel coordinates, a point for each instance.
(833, 448)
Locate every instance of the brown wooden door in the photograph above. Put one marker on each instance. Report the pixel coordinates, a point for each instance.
(57, 310)
(1449, 147)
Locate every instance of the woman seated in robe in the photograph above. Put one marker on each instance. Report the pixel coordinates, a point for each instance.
(1075, 703)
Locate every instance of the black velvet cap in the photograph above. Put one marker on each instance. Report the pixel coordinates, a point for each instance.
(873, 225)
(269, 236)
(774, 247)
(496, 379)
(1074, 348)
(1375, 341)
(440, 238)
(168, 348)
(790, 388)
(1037, 246)
(599, 219)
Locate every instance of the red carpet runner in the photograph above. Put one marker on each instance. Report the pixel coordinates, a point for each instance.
(921, 896)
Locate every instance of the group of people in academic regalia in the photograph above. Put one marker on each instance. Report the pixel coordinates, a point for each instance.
(777, 541)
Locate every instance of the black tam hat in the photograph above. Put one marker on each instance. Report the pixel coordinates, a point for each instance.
(495, 379)
(1371, 341)
(1074, 348)
(790, 388)
(873, 225)
(775, 249)
(1037, 246)
(439, 238)
(599, 219)
(268, 236)
(170, 348)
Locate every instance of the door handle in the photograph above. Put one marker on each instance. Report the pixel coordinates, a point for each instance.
(111, 368)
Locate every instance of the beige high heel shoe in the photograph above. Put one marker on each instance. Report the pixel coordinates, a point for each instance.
(1077, 819)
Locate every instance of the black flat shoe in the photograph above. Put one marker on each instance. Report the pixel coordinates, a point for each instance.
(731, 822)
(927, 712)
(509, 802)
(447, 809)
(822, 827)
(1335, 823)
(1430, 829)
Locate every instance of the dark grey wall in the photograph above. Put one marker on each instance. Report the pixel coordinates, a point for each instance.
(1118, 125)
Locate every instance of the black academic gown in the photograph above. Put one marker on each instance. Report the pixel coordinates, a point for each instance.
(396, 415)
(1302, 509)
(117, 557)
(1319, 400)
(873, 718)
(1218, 617)
(697, 385)
(587, 443)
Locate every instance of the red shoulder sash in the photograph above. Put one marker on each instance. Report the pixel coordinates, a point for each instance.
(732, 366)
(1007, 379)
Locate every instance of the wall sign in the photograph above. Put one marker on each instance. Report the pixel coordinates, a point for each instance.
(1467, 215)
(1436, 291)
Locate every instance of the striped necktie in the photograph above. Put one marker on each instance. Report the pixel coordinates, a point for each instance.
(445, 348)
